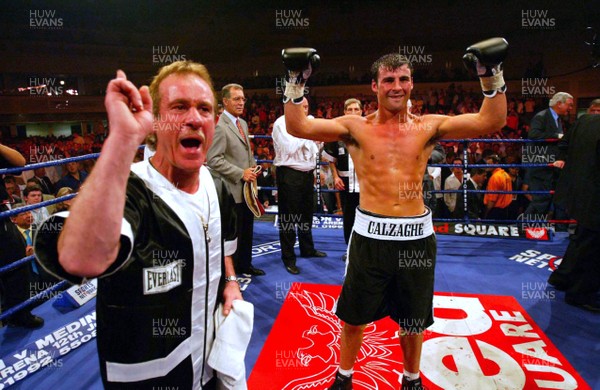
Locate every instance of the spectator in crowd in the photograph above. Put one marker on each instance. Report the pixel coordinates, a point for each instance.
(74, 177)
(33, 195)
(16, 282)
(13, 190)
(65, 205)
(516, 207)
(475, 207)
(453, 182)
(34, 183)
(24, 222)
(529, 108)
(450, 155)
(231, 157)
(87, 166)
(496, 205)
(486, 152)
(9, 158)
(432, 180)
(472, 154)
(43, 181)
(512, 119)
(295, 159)
(594, 107)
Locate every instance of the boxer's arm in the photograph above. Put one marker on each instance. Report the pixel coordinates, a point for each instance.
(11, 155)
(490, 119)
(324, 130)
(485, 59)
(89, 242)
(300, 63)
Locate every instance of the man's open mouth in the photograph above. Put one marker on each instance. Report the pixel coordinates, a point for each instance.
(192, 143)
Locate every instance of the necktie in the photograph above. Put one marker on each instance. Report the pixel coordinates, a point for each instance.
(45, 186)
(561, 128)
(27, 233)
(239, 126)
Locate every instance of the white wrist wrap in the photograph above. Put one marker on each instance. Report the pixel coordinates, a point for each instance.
(294, 91)
(493, 84)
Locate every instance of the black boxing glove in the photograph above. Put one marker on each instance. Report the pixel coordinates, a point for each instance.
(485, 58)
(300, 62)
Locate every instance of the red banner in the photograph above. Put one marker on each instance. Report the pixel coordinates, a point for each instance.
(477, 342)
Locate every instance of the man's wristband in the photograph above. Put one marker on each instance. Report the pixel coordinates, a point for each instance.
(232, 278)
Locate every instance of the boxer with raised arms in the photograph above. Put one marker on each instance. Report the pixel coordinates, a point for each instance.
(391, 257)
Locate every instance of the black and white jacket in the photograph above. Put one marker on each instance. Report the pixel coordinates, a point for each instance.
(155, 304)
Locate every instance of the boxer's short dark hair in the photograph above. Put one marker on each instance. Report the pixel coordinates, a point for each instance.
(389, 62)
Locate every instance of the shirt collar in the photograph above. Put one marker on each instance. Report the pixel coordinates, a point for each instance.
(554, 114)
(23, 230)
(230, 116)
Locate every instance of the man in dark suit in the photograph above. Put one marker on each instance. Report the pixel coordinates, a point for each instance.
(13, 191)
(231, 156)
(14, 284)
(266, 179)
(43, 181)
(474, 200)
(579, 271)
(545, 124)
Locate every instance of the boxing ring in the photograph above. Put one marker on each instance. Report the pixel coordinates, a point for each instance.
(488, 268)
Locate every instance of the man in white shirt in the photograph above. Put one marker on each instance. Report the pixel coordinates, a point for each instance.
(345, 175)
(453, 182)
(33, 195)
(295, 159)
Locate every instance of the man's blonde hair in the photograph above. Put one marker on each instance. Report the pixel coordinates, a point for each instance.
(178, 67)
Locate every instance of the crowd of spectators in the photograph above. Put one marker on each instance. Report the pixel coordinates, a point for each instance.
(322, 78)
(261, 112)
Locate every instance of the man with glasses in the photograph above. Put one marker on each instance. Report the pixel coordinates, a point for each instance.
(231, 156)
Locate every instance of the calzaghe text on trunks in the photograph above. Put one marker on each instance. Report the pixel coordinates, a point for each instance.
(394, 229)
